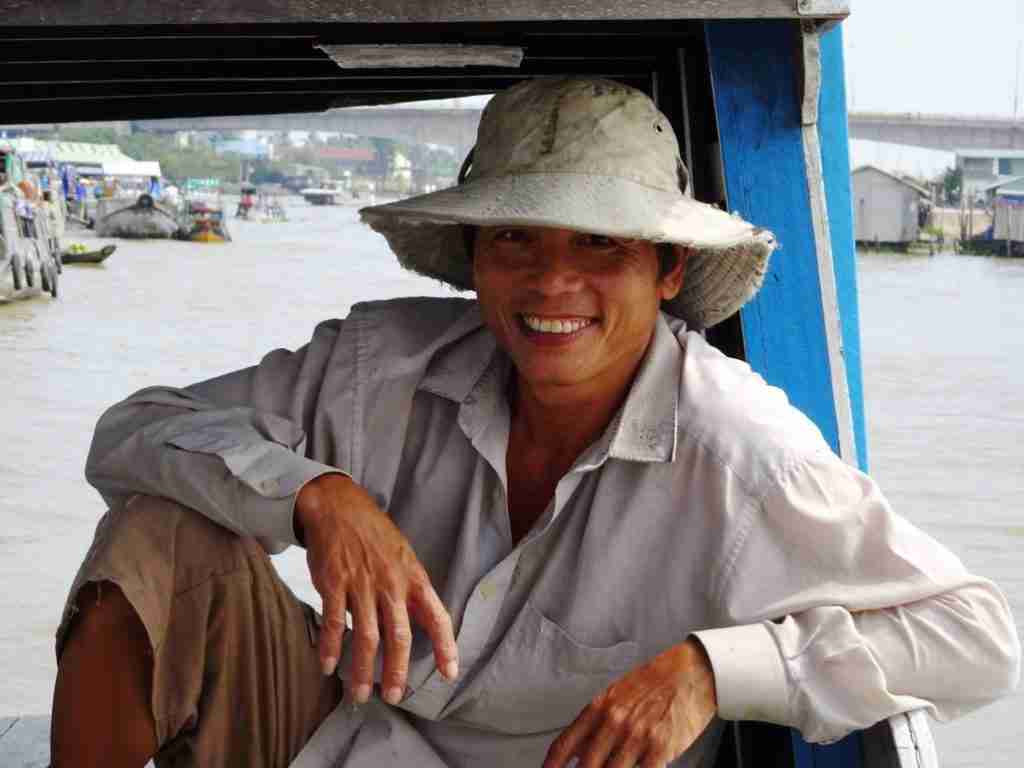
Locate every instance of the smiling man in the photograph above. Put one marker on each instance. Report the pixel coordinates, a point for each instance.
(565, 526)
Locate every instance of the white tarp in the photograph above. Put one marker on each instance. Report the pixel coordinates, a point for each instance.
(125, 166)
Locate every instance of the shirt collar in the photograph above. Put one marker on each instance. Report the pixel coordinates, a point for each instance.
(456, 368)
(644, 429)
(646, 426)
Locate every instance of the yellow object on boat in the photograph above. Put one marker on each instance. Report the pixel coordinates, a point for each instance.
(206, 236)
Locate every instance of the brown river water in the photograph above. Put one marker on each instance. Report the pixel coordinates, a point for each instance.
(943, 347)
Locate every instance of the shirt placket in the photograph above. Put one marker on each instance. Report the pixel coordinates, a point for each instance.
(478, 620)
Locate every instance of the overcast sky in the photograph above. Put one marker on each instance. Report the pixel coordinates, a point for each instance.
(944, 56)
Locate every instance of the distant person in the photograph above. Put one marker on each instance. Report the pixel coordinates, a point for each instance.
(155, 189)
(565, 525)
(245, 203)
(80, 196)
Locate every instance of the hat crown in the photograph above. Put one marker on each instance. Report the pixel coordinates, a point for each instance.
(585, 126)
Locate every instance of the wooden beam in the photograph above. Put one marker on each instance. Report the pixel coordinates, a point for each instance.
(758, 101)
(158, 12)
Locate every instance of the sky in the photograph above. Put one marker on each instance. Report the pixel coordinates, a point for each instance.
(944, 56)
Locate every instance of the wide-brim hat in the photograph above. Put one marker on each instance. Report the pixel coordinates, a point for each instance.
(590, 155)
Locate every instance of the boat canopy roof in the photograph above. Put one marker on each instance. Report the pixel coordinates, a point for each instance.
(104, 159)
(125, 60)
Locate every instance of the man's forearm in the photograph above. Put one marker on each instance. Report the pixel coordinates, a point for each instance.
(239, 467)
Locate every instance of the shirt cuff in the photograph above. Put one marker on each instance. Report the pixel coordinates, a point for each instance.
(271, 518)
(750, 680)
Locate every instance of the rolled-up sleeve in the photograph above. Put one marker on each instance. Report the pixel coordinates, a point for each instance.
(235, 448)
(839, 613)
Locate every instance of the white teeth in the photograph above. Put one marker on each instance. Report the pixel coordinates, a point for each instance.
(535, 323)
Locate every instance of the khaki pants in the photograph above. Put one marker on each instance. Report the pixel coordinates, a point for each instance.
(236, 676)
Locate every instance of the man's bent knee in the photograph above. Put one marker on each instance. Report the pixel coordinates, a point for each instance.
(102, 712)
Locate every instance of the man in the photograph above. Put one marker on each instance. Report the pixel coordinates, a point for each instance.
(563, 524)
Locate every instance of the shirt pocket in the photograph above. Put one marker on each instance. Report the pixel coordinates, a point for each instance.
(541, 678)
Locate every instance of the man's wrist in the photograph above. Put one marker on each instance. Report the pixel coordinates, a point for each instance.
(310, 502)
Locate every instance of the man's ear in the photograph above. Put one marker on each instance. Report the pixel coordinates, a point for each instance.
(671, 282)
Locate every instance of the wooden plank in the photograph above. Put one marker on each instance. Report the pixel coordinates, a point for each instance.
(758, 104)
(812, 78)
(187, 12)
(835, 158)
(26, 744)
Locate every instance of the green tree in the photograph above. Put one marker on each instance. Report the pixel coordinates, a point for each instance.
(952, 184)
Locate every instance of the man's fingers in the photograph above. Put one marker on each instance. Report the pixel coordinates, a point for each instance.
(429, 612)
(605, 737)
(571, 739)
(397, 643)
(366, 635)
(628, 754)
(331, 631)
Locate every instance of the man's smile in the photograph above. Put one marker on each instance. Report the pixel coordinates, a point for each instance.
(567, 325)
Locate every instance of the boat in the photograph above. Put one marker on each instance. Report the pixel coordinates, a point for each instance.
(203, 222)
(328, 193)
(98, 256)
(143, 218)
(753, 87)
(202, 213)
(29, 259)
(256, 205)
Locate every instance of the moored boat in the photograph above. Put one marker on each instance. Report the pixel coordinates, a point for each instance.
(29, 264)
(97, 256)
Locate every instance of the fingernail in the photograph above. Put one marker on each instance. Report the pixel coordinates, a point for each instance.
(329, 665)
(451, 670)
(393, 695)
(362, 693)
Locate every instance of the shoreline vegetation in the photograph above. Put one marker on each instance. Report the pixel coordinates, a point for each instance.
(199, 157)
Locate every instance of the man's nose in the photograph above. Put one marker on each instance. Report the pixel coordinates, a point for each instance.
(555, 271)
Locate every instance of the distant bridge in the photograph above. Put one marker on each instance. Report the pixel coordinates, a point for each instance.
(454, 128)
(944, 132)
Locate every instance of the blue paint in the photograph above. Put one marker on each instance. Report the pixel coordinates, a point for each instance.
(755, 69)
(835, 160)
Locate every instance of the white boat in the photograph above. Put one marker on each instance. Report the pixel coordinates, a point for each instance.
(328, 193)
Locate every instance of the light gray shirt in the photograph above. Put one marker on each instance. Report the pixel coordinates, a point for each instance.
(709, 506)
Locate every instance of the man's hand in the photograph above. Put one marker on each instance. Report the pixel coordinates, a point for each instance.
(649, 717)
(359, 559)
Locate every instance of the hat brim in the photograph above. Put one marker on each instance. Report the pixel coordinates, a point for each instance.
(726, 266)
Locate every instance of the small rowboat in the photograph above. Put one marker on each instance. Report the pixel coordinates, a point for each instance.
(88, 257)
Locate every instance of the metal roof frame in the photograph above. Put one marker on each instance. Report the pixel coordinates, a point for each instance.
(160, 12)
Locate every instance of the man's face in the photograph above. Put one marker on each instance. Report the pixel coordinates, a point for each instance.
(570, 308)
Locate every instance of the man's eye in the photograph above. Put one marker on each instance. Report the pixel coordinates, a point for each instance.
(598, 241)
(510, 236)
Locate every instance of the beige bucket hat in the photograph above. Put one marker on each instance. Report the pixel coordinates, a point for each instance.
(590, 155)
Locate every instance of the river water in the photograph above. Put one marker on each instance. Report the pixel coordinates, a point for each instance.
(943, 343)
